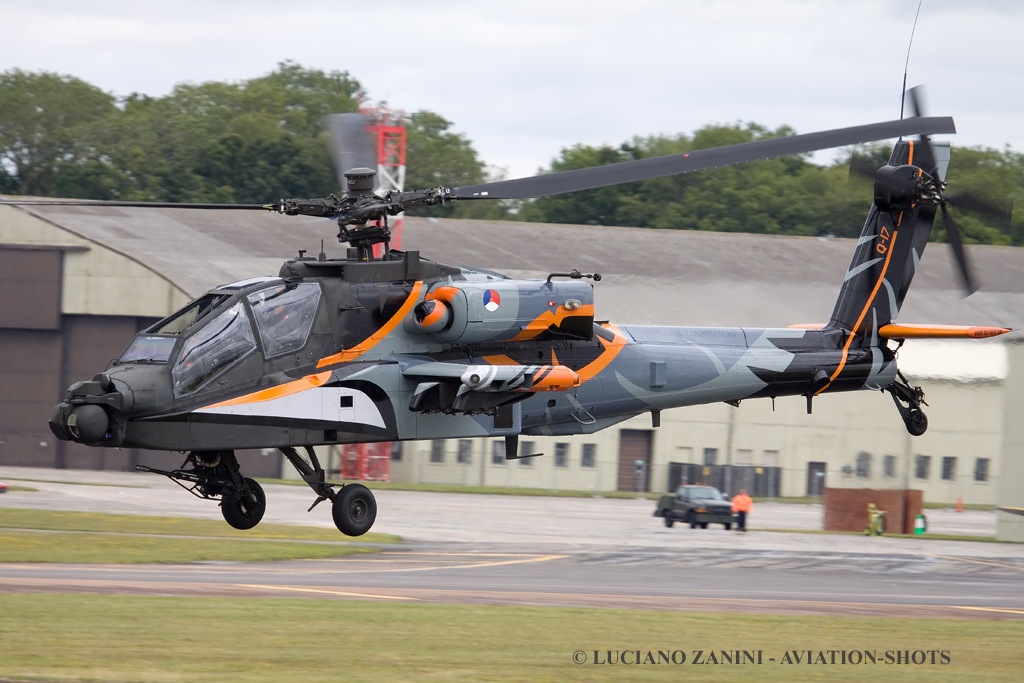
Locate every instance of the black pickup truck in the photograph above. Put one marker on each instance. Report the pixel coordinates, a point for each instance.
(695, 505)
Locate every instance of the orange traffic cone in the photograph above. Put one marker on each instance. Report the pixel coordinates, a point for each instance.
(959, 504)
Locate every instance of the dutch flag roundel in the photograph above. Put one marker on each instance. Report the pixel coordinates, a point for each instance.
(491, 300)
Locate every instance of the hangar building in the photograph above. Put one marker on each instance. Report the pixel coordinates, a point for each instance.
(78, 282)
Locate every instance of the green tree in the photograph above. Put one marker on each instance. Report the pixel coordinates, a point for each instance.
(758, 197)
(992, 181)
(45, 122)
(247, 142)
(600, 206)
(261, 139)
(436, 156)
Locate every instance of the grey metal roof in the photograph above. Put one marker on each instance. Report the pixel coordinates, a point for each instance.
(650, 276)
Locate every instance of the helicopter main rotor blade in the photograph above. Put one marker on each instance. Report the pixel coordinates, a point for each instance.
(914, 96)
(350, 143)
(143, 205)
(699, 160)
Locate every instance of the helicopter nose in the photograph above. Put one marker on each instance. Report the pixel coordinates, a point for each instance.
(58, 421)
(87, 414)
(86, 423)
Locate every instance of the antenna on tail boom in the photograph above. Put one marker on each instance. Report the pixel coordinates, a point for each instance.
(906, 65)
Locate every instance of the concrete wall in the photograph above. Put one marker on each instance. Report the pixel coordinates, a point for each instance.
(1009, 526)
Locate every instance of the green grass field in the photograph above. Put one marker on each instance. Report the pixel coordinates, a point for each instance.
(107, 638)
(57, 536)
(82, 637)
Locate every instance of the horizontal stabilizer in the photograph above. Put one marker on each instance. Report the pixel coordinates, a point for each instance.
(910, 331)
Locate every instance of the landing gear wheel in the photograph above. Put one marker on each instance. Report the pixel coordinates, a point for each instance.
(908, 401)
(727, 526)
(354, 510)
(245, 509)
(691, 521)
(916, 421)
(669, 520)
(703, 525)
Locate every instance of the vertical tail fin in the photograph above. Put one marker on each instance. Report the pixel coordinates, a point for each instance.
(885, 261)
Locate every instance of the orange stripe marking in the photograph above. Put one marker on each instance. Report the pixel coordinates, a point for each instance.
(280, 391)
(589, 371)
(362, 347)
(874, 291)
(548, 318)
(611, 350)
(500, 360)
(864, 312)
(444, 293)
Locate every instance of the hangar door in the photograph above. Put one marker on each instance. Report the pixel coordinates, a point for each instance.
(634, 445)
(30, 353)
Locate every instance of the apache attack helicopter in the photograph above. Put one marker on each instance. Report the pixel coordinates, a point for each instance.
(398, 347)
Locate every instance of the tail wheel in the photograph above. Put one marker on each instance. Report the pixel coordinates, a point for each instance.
(916, 421)
(245, 509)
(908, 402)
(354, 510)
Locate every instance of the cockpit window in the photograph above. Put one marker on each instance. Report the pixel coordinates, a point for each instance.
(224, 340)
(284, 315)
(178, 321)
(148, 348)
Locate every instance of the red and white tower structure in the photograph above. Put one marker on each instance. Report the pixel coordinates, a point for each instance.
(387, 127)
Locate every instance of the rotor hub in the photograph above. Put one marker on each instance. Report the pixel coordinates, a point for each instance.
(359, 182)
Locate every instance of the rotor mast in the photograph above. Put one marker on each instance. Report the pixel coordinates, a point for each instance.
(388, 129)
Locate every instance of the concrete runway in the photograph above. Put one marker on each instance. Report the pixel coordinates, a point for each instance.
(466, 548)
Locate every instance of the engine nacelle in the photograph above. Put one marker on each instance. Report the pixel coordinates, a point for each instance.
(504, 310)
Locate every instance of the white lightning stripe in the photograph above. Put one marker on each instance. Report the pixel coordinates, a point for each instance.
(334, 404)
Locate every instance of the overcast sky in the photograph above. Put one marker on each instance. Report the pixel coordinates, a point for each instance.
(522, 79)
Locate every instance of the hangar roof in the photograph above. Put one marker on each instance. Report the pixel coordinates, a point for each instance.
(650, 276)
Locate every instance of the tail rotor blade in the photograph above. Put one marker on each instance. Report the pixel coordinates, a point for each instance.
(954, 236)
(954, 233)
(915, 97)
(998, 212)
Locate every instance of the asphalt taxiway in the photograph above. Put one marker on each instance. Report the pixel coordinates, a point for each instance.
(493, 549)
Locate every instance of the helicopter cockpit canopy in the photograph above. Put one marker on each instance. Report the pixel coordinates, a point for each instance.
(284, 315)
(212, 348)
(216, 330)
(156, 344)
